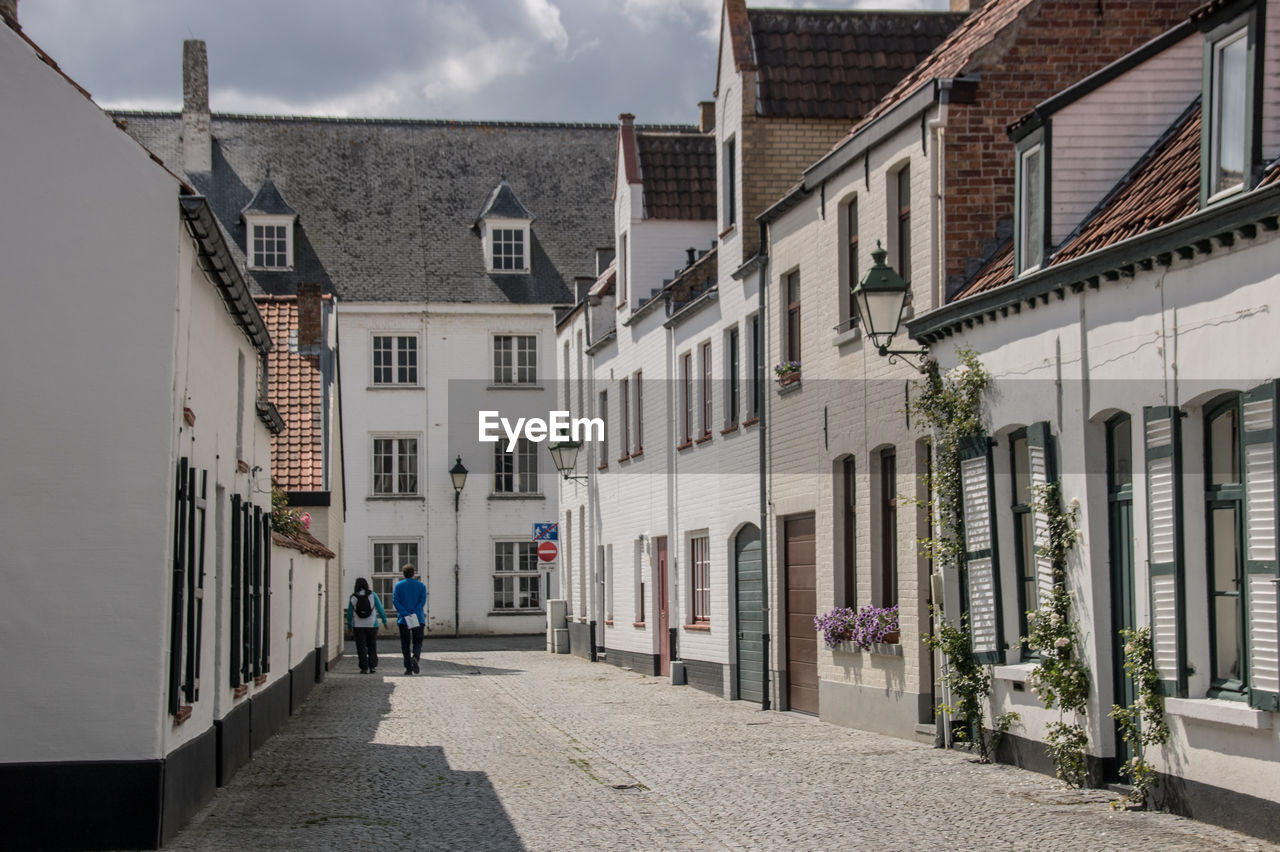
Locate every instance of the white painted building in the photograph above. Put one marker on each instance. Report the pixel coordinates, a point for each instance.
(147, 630)
(444, 279)
(1127, 328)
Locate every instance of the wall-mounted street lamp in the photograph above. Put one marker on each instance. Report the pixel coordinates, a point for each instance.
(457, 473)
(565, 456)
(881, 297)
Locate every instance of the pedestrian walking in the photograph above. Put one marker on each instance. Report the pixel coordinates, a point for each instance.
(364, 609)
(409, 597)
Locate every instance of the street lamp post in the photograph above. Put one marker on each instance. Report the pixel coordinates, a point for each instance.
(565, 456)
(458, 474)
(881, 297)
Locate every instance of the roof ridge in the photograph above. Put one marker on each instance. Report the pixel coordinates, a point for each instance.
(430, 122)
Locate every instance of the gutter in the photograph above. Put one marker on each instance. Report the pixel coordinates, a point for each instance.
(712, 295)
(763, 256)
(1195, 234)
(221, 269)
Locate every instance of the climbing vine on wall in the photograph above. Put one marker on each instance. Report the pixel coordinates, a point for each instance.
(1141, 723)
(1060, 678)
(950, 404)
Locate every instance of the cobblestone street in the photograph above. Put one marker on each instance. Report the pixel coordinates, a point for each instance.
(511, 749)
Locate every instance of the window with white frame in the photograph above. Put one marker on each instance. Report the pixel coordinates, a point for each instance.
(270, 243)
(729, 174)
(1228, 107)
(389, 557)
(700, 570)
(395, 465)
(516, 582)
(638, 408)
(395, 359)
(1030, 205)
(508, 246)
(515, 472)
(515, 359)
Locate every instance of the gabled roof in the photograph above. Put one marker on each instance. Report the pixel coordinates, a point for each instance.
(1163, 187)
(961, 52)
(679, 175)
(503, 204)
(268, 201)
(387, 207)
(296, 386)
(837, 64)
(304, 542)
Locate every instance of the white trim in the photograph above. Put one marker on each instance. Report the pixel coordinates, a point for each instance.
(487, 241)
(1219, 711)
(256, 220)
(377, 436)
(374, 384)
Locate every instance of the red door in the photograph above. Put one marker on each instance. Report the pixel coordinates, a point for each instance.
(801, 605)
(664, 614)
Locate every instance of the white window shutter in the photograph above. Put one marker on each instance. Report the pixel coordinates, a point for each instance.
(1041, 474)
(982, 574)
(1260, 477)
(1161, 439)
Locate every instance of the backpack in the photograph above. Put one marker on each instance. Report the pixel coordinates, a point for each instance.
(364, 604)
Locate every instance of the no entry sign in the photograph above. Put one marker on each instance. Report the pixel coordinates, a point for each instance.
(547, 551)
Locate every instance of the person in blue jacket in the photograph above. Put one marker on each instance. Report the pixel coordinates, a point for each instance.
(364, 609)
(409, 597)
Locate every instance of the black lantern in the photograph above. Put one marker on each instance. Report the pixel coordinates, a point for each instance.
(458, 474)
(881, 297)
(565, 456)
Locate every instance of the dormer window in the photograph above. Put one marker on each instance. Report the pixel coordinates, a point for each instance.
(268, 224)
(503, 224)
(1228, 140)
(1029, 240)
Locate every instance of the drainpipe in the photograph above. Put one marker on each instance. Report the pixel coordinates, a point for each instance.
(761, 359)
(939, 127)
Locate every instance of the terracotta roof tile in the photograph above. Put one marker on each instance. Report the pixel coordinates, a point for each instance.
(679, 175)
(303, 541)
(294, 385)
(1163, 187)
(837, 64)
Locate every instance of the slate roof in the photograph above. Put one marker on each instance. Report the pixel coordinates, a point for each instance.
(387, 207)
(295, 385)
(837, 64)
(678, 171)
(503, 204)
(1163, 187)
(268, 200)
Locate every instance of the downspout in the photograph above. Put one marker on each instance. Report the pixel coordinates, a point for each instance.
(761, 357)
(939, 127)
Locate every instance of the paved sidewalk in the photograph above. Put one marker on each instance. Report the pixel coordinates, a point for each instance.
(521, 749)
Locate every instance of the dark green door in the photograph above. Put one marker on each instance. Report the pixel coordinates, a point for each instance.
(1120, 533)
(749, 591)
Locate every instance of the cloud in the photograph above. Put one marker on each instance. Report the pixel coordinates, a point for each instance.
(650, 15)
(546, 20)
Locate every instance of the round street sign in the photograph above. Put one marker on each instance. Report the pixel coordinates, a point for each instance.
(547, 551)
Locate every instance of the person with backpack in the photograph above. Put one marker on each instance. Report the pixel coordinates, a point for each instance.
(364, 608)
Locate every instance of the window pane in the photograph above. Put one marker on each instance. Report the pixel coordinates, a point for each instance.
(1121, 462)
(1021, 472)
(1223, 448)
(1226, 658)
(381, 360)
(1032, 209)
(1224, 550)
(1027, 567)
(1229, 97)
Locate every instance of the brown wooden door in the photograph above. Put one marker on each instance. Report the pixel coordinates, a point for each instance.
(800, 566)
(664, 613)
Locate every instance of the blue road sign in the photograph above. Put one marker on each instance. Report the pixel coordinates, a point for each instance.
(546, 532)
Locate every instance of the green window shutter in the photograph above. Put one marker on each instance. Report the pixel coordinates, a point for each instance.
(1040, 456)
(1261, 611)
(1161, 438)
(236, 562)
(982, 574)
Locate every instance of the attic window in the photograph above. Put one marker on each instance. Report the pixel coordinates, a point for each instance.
(508, 250)
(270, 247)
(268, 222)
(1228, 98)
(1029, 213)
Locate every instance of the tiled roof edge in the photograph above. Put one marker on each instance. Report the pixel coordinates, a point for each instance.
(1118, 260)
(217, 263)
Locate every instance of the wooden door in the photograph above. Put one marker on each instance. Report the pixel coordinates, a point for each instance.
(800, 568)
(664, 613)
(749, 594)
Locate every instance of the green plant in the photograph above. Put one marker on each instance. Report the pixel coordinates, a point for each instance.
(969, 685)
(1060, 678)
(1141, 723)
(285, 520)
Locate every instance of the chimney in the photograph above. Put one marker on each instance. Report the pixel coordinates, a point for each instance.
(707, 111)
(309, 318)
(582, 286)
(9, 11)
(197, 132)
(627, 119)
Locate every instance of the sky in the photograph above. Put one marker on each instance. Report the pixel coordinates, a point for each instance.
(500, 60)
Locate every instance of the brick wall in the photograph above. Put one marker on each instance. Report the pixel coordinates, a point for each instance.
(1034, 66)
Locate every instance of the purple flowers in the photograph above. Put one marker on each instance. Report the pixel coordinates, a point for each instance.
(864, 628)
(786, 368)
